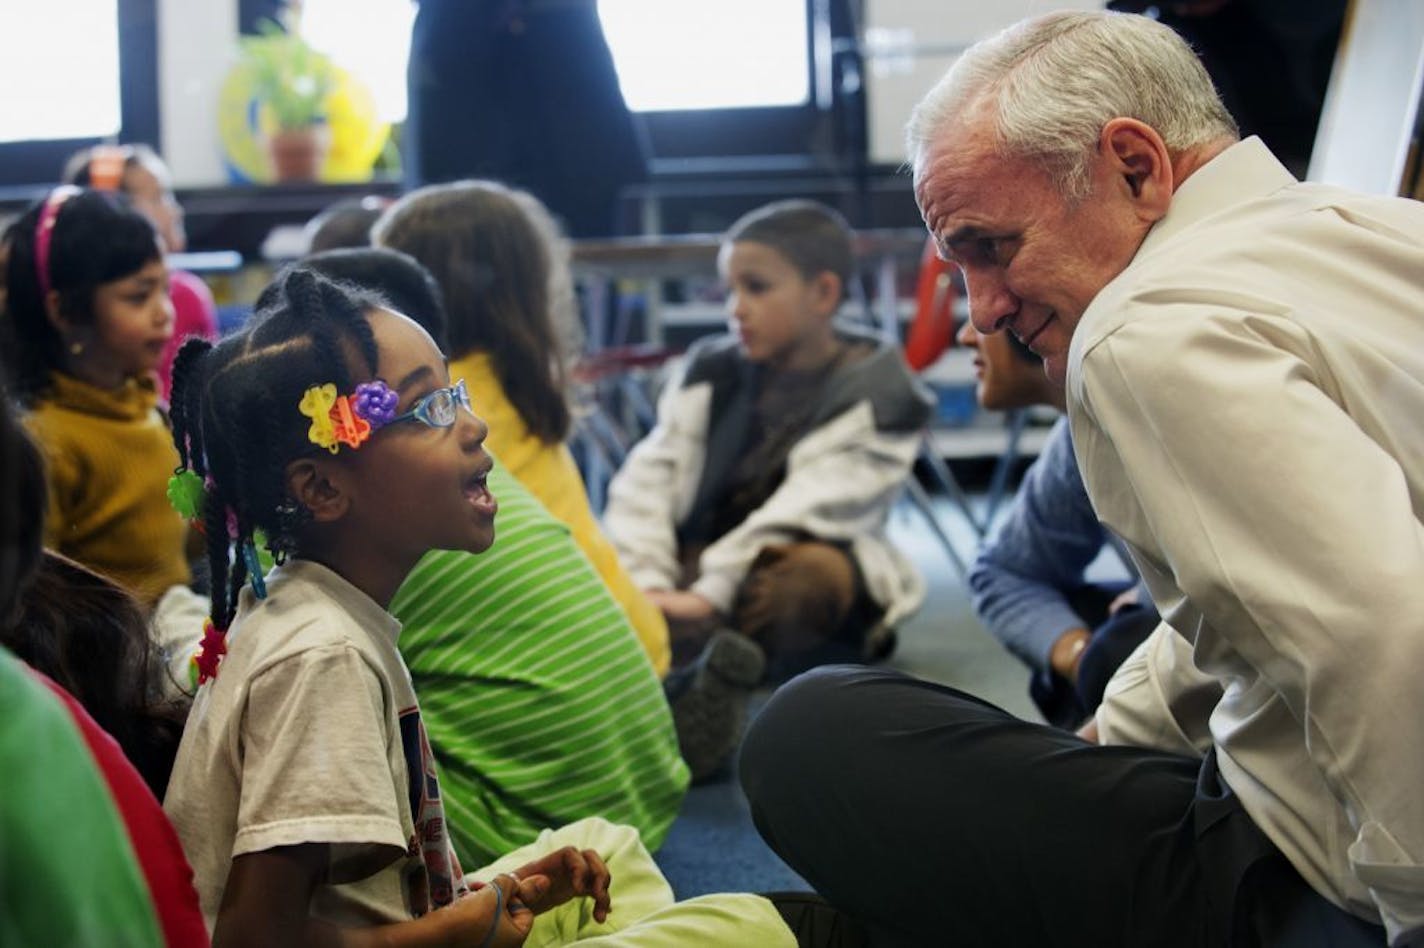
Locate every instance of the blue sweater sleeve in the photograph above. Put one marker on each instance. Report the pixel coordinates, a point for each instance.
(1021, 576)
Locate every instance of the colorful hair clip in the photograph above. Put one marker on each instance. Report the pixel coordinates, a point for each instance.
(210, 651)
(347, 419)
(347, 426)
(187, 494)
(44, 232)
(316, 404)
(254, 569)
(376, 402)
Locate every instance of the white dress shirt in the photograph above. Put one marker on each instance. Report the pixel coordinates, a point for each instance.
(1247, 403)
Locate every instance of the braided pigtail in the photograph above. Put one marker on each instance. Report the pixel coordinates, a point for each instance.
(214, 644)
(186, 365)
(241, 415)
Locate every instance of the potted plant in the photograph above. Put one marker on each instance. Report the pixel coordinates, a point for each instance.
(290, 81)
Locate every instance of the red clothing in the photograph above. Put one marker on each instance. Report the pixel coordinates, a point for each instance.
(194, 314)
(155, 844)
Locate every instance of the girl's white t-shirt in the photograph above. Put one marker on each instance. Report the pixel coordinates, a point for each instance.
(311, 733)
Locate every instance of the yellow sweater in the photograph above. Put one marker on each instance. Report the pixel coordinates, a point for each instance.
(108, 456)
(549, 473)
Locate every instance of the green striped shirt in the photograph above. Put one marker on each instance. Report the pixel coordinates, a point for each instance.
(541, 706)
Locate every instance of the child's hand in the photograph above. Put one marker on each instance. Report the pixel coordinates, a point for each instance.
(497, 915)
(682, 605)
(570, 873)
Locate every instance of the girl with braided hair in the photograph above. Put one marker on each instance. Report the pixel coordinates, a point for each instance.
(305, 791)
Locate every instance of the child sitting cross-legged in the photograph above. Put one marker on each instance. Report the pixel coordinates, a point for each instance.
(304, 791)
(759, 500)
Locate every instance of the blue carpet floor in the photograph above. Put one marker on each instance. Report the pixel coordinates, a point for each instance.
(713, 846)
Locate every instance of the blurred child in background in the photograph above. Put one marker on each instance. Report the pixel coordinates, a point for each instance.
(139, 173)
(504, 271)
(88, 857)
(757, 505)
(345, 224)
(89, 321)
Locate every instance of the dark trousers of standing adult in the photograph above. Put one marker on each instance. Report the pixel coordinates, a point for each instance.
(938, 819)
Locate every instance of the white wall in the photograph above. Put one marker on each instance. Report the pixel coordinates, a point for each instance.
(196, 47)
(920, 40)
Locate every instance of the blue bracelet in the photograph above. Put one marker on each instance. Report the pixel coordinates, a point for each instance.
(498, 911)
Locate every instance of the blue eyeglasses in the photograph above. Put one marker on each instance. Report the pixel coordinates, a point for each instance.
(438, 409)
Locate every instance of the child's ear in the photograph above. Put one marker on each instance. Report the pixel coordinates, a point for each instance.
(56, 316)
(826, 291)
(317, 484)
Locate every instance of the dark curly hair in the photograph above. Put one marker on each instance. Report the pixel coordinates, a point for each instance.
(235, 417)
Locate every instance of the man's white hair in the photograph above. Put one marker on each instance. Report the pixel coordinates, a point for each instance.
(1052, 82)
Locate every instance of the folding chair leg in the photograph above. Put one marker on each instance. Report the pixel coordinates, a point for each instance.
(947, 482)
(921, 500)
(999, 485)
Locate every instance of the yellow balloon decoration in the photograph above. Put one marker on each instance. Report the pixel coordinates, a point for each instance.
(357, 135)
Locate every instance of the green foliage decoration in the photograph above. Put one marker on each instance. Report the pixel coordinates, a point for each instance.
(288, 76)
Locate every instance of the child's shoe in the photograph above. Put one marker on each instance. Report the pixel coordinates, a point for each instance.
(709, 700)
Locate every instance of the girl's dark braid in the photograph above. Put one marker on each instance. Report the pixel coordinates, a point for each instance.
(185, 393)
(219, 555)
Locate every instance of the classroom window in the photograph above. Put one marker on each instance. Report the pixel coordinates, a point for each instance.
(729, 54)
(369, 39)
(61, 67)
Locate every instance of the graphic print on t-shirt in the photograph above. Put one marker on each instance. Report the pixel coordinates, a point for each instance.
(443, 879)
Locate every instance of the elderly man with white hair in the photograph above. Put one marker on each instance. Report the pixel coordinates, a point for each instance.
(1244, 362)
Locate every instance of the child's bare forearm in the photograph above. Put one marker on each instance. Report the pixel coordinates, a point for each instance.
(267, 902)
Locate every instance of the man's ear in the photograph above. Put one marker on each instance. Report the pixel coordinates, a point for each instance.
(1139, 166)
(318, 484)
(827, 291)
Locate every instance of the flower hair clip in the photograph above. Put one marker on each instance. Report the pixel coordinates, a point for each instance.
(347, 419)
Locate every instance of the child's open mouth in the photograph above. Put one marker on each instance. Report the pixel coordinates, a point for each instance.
(477, 492)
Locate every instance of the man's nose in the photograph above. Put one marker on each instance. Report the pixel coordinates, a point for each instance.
(991, 303)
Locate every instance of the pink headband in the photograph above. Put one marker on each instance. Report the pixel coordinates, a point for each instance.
(44, 232)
